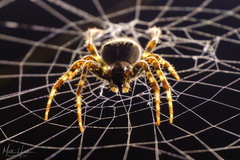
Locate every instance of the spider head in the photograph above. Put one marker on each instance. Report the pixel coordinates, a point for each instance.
(120, 76)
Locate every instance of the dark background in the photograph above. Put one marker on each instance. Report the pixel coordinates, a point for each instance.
(18, 100)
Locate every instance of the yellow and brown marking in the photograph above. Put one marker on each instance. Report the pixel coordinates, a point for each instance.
(83, 64)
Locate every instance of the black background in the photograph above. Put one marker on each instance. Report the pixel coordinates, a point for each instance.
(19, 103)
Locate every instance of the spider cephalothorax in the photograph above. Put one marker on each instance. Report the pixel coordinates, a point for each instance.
(118, 75)
(120, 61)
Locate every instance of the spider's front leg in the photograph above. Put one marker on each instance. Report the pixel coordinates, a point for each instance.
(78, 97)
(70, 73)
(144, 65)
(156, 60)
(165, 63)
(88, 65)
(152, 60)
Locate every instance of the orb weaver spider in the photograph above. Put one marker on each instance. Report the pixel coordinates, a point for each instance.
(120, 61)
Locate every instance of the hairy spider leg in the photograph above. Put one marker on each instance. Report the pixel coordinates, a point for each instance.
(54, 90)
(88, 57)
(155, 35)
(152, 60)
(79, 98)
(90, 34)
(154, 85)
(91, 65)
(76, 65)
(165, 63)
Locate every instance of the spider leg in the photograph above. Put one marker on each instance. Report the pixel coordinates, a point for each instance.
(79, 99)
(167, 65)
(163, 79)
(143, 64)
(90, 34)
(54, 90)
(155, 35)
(69, 73)
(90, 65)
(88, 57)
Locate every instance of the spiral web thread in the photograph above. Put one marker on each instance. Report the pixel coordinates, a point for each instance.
(199, 39)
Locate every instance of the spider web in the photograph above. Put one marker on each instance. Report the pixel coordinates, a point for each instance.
(40, 39)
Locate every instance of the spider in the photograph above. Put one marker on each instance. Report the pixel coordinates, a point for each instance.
(120, 61)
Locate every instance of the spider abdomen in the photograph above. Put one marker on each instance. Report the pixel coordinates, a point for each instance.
(121, 49)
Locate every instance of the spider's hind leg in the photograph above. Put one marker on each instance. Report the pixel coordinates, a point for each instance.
(90, 34)
(155, 35)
